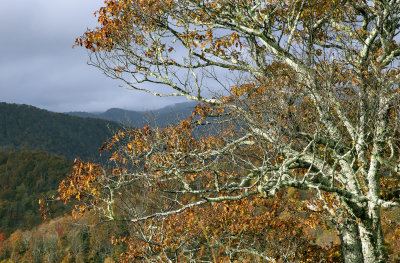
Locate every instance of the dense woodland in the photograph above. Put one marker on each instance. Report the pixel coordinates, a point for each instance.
(25, 177)
(24, 127)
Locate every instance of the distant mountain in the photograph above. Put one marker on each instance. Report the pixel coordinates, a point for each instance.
(161, 117)
(24, 127)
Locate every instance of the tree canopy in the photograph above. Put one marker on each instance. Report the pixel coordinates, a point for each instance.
(301, 94)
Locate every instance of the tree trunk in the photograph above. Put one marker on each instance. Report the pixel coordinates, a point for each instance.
(362, 239)
(351, 244)
(372, 238)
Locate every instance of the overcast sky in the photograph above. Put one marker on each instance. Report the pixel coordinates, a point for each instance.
(39, 67)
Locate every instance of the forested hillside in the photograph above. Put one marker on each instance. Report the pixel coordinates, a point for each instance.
(36, 152)
(24, 178)
(24, 127)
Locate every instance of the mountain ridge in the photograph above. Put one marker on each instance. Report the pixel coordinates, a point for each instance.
(25, 127)
(75, 134)
(159, 117)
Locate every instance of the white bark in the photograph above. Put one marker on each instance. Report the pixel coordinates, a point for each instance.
(351, 245)
(342, 148)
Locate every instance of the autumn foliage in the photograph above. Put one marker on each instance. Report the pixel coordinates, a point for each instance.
(293, 95)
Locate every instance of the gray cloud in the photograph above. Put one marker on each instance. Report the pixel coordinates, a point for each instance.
(39, 67)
